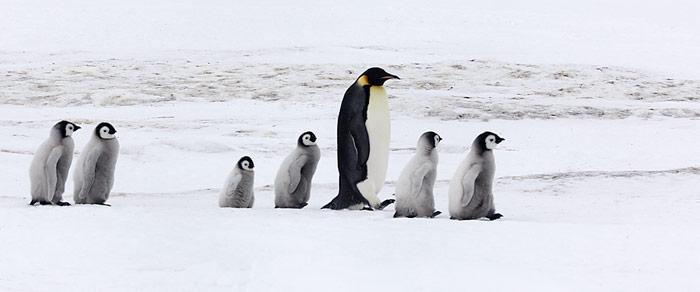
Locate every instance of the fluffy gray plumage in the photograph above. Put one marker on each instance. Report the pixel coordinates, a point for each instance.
(238, 189)
(293, 180)
(414, 189)
(94, 175)
(49, 169)
(471, 188)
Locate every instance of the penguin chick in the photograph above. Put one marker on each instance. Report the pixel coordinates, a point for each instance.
(94, 175)
(238, 190)
(470, 192)
(48, 172)
(293, 180)
(414, 189)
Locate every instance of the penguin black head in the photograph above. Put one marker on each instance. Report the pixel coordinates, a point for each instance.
(245, 163)
(307, 139)
(105, 131)
(430, 140)
(375, 76)
(66, 128)
(488, 141)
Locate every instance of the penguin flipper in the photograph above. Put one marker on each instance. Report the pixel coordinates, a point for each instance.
(89, 166)
(50, 171)
(294, 174)
(468, 184)
(360, 139)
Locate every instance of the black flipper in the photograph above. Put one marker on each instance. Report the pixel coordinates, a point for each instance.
(494, 216)
(435, 214)
(385, 203)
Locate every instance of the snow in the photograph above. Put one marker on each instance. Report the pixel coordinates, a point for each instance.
(598, 177)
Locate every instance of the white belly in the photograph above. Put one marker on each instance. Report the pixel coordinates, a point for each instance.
(378, 127)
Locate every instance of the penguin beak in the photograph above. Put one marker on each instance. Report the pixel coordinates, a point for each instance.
(76, 127)
(499, 140)
(390, 76)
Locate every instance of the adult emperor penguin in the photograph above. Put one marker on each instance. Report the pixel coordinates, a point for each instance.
(414, 189)
(293, 180)
(470, 193)
(363, 133)
(94, 176)
(49, 169)
(238, 189)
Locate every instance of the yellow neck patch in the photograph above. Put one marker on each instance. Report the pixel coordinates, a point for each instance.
(362, 81)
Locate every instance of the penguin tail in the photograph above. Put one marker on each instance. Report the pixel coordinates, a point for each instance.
(333, 204)
(340, 202)
(494, 216)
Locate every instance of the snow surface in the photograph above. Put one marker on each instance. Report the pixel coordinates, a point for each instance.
(598, 179)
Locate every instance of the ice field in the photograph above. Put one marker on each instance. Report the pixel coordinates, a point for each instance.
(598, 180)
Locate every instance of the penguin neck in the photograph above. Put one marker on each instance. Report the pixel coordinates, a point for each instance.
(425, 149)
(478, 149)
(56, 134)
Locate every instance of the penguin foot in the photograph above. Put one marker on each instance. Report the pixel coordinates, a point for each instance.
(103, 204)
(45, 203)
(63, 204)
(33, 202)
(494, 216)
(302, 205)
(385, 203)
(367, 208)
(435, 214)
